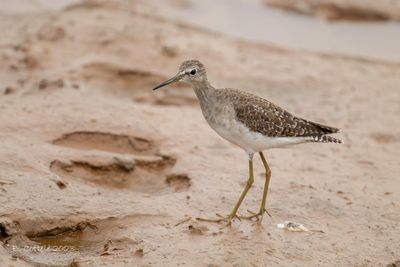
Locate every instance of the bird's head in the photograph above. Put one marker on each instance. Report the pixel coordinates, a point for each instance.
(191, 71)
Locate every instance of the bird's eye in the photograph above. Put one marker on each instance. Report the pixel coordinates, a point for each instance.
(193, 72)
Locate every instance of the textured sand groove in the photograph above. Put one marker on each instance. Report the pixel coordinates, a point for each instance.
(146, 176)
(86, 140)
(129, 83)
(121, 78)
(150, 174)
(335, 10)
(64, 245)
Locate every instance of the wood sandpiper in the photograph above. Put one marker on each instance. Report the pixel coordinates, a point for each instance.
(250, 122)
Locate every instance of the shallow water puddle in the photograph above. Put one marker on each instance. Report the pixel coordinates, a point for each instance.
(255, 21)
(69, 241)
(54, 250)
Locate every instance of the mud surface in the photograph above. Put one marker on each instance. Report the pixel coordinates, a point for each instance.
(334, 10)
(98, 170)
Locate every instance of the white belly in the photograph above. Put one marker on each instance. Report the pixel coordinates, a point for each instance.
(223, 120)
(238, 134)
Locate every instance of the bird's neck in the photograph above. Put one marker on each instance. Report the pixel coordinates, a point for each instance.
(204, 92)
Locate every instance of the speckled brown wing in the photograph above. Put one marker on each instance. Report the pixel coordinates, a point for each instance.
(268, 119)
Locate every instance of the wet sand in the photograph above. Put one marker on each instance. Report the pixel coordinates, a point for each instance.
(355, 10)
(256, 21)
(98, 170)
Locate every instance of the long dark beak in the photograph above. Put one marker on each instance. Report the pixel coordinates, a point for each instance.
(176, 78)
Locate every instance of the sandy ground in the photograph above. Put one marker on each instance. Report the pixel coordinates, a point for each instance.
(98, 170)
(365, 10)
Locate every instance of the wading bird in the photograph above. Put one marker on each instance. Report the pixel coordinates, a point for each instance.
(250, 122)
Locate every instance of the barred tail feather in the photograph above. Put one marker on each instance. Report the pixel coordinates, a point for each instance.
(325, 139)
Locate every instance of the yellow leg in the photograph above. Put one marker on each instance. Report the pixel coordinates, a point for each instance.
(264, 198)
(249, 183)
(232, 215)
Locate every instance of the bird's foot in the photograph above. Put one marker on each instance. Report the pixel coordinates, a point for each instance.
(227, 219)
(259, 215)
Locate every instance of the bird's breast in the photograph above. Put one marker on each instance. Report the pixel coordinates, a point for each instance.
(219, 116)
(222, 120)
